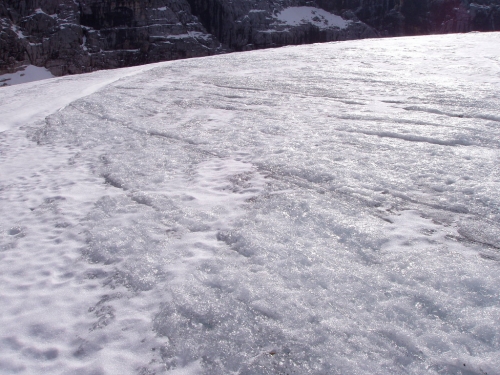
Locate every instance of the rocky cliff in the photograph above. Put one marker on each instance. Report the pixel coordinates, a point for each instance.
(69, 36)
(416, 17)
(249, 24)
(75, 36)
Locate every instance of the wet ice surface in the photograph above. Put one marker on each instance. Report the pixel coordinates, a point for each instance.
(319, 209)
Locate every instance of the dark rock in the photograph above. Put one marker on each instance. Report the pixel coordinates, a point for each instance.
(417, 17)
(70, 37)
(244, 24)
(76, 36)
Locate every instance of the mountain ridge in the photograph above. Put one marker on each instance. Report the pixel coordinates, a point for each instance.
(78, 36)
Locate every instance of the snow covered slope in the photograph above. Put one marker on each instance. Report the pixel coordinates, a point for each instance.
(26, 74)
(322, 209)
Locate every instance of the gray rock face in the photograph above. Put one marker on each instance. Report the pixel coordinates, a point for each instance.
(76, 36)
(70, 37)
(249, 24)
(415, 17)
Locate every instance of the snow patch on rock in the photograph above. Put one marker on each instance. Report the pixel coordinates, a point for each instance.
(27, 73)
(295, 16)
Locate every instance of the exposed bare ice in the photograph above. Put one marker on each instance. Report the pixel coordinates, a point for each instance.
(321, 209)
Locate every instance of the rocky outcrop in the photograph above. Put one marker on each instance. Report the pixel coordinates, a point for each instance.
(70, 37)
(75, 36)
(249, 24)
(417, 17)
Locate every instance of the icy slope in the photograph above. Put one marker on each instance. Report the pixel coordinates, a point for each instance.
(324, 209)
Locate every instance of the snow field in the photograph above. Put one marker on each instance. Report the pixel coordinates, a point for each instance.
(324, 209)
(25, 104)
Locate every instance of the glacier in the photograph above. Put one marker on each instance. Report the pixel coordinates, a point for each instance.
(319, 209)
